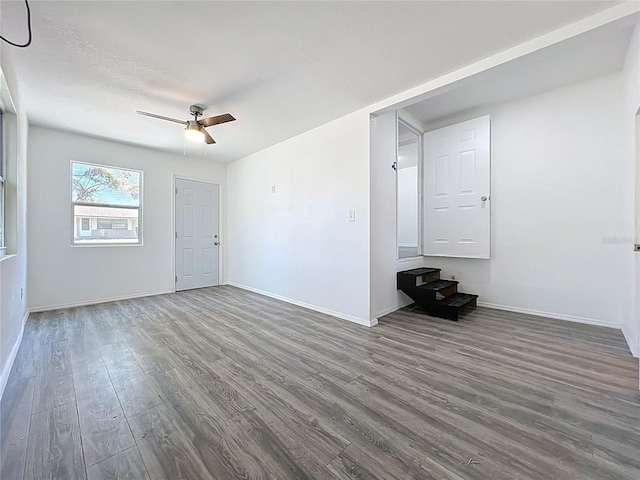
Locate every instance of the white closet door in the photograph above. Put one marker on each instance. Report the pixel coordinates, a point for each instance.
(457, 213)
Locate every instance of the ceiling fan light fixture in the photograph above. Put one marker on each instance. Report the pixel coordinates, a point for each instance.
(193, 132)
(195, 129)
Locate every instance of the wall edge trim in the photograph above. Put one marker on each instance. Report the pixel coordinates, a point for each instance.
(557, 316)
(326, 311)
(629, 339)
(6, 371)
(528, 311)
(97, 301)
(396, 307)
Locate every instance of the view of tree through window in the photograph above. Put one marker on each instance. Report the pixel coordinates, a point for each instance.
(106, 204)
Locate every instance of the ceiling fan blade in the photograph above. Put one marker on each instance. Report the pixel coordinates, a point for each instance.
(161, 117)
(208, 122)
(207, 137)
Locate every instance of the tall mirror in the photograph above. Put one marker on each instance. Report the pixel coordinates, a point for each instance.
(407, 178)
(8, 170)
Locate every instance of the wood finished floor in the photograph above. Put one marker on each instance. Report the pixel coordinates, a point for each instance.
(221, 383)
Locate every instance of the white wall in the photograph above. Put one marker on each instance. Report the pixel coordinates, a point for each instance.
(61, 274)
(13, 267)
(297, 243)
(562, 216)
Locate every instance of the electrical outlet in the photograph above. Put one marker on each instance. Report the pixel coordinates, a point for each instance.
(352, 215)
(21, 293)
(273, 189)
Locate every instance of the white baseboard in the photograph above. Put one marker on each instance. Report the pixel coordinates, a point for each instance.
(557, 316)
(6, 371)
(96, 301)
(343, 316)
(389, 310)
(508, 308)
(630, 343)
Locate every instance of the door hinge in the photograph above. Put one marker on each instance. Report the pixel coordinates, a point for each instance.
(176, 278)
(176, 190)
(176, 235)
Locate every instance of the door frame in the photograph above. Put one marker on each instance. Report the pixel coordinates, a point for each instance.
(221, 255)
(635, 333)
(407, 121)
(637, 236)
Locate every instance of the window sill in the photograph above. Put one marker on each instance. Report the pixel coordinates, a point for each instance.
(410, 259)
(92, 245)
(6, 256)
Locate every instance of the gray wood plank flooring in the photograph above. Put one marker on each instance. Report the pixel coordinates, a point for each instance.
(221, 383)
(126, 465)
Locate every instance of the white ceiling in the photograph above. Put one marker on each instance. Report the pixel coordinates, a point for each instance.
(280, 68)
(589, 55)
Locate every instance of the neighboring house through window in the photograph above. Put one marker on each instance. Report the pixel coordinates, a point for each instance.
(106, 205)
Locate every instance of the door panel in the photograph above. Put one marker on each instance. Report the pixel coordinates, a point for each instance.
(188, 220)
(456, 180)
(187, 255)
(197, 234)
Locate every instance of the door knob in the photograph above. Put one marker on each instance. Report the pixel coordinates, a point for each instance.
(484, 198)
(216, 243)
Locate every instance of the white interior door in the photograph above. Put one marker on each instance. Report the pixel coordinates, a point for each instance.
(457, 214)
(197, 234)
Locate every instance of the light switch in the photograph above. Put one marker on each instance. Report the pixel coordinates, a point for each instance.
(352, 215)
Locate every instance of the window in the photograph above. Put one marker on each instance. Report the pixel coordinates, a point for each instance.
(106, 205)
(111, 224)
(119, 224)
(105, 224)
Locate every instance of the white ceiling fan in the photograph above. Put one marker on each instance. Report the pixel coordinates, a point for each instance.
(195, 129)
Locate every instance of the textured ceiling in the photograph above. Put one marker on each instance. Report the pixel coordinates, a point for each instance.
(280, 68)
(594, 53)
